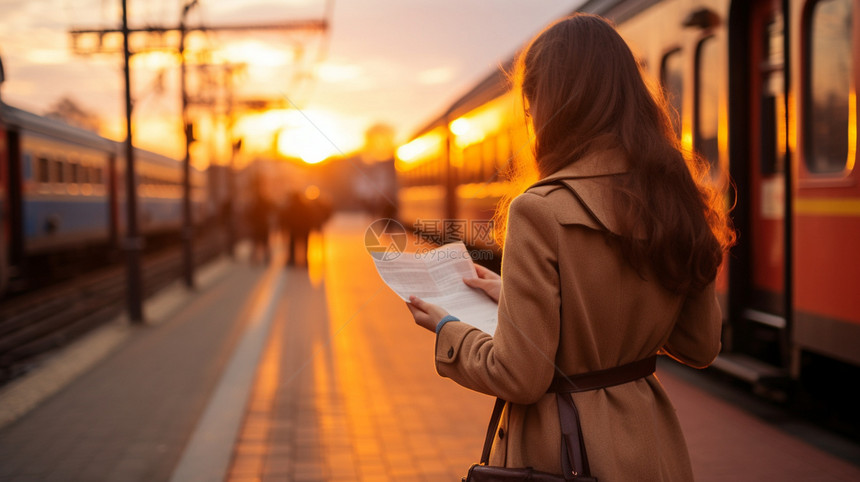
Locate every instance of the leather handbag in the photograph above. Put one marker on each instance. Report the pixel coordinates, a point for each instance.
(574, 458)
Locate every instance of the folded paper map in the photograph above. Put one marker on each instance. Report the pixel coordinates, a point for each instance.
(436, 276)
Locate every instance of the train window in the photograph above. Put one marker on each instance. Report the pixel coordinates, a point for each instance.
(44, 169)
(85, 174)
(506, 158)
(59, 171)
(829, 93)
(472, 163)
(505, 154)
(709, 61)
(75, 172)
(772, 127)
(490, 148)
(672, 79)
(98, 176)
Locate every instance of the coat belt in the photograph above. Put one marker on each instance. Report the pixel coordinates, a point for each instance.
(609, 377)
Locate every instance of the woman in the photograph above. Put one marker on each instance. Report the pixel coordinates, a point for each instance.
(609, 259)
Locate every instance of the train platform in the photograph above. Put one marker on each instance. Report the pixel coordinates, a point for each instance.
(317, 373)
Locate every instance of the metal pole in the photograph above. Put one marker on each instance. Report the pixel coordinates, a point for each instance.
(133, 243)
(450, 173)
(231, 176)
(187, 225)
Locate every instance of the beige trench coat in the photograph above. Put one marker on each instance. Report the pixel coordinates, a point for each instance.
(571, 304)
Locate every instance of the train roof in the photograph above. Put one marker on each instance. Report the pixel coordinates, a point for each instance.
(151, 157)
(15, 117)
(497, 82)
(22, 119)
(616, 10)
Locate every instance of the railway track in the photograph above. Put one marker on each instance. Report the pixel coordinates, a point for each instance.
(34, 324)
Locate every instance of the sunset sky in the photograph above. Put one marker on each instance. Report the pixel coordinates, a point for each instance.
(397, 62)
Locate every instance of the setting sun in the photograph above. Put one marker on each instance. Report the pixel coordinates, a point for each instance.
(307, 144)
(312, 135)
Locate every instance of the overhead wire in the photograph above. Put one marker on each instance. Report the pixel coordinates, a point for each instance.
(322, 53)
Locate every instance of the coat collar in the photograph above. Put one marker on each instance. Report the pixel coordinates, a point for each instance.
(594, 164)
(588, 178)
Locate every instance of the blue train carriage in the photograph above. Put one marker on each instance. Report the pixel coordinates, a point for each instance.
(159, 184)
(63, 185)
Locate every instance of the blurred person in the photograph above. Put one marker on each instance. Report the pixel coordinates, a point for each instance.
(322, 210)
(608, 260)
(297, 220)
(259, 213)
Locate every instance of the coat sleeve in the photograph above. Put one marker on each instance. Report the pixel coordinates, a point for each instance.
(517, 363)
(695, 339)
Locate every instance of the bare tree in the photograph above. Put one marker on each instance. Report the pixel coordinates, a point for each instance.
(69, 111)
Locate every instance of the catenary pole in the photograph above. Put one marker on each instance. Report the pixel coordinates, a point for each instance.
(132, 243)
(187, 222)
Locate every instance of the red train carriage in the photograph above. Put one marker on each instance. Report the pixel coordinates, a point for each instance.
(792, 146)
(763, 89)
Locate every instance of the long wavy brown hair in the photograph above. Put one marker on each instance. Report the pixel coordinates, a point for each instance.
(583, 91)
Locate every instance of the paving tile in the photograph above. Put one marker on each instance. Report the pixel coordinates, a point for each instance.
(277, 466)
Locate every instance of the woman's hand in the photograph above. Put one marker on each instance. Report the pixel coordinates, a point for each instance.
(427, 315)
(488, 281)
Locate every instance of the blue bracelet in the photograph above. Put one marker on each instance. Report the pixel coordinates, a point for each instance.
(445, 320)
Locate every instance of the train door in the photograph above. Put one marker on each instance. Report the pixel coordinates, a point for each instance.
(758, 293)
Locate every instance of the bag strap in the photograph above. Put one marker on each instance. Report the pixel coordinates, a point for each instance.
(574, 458)
(491, 430)
(568, 415)
(574, 461)
(571, 434)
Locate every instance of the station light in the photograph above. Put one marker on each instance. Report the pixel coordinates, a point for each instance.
(461, 126)
(312, 192)
(412, 150)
